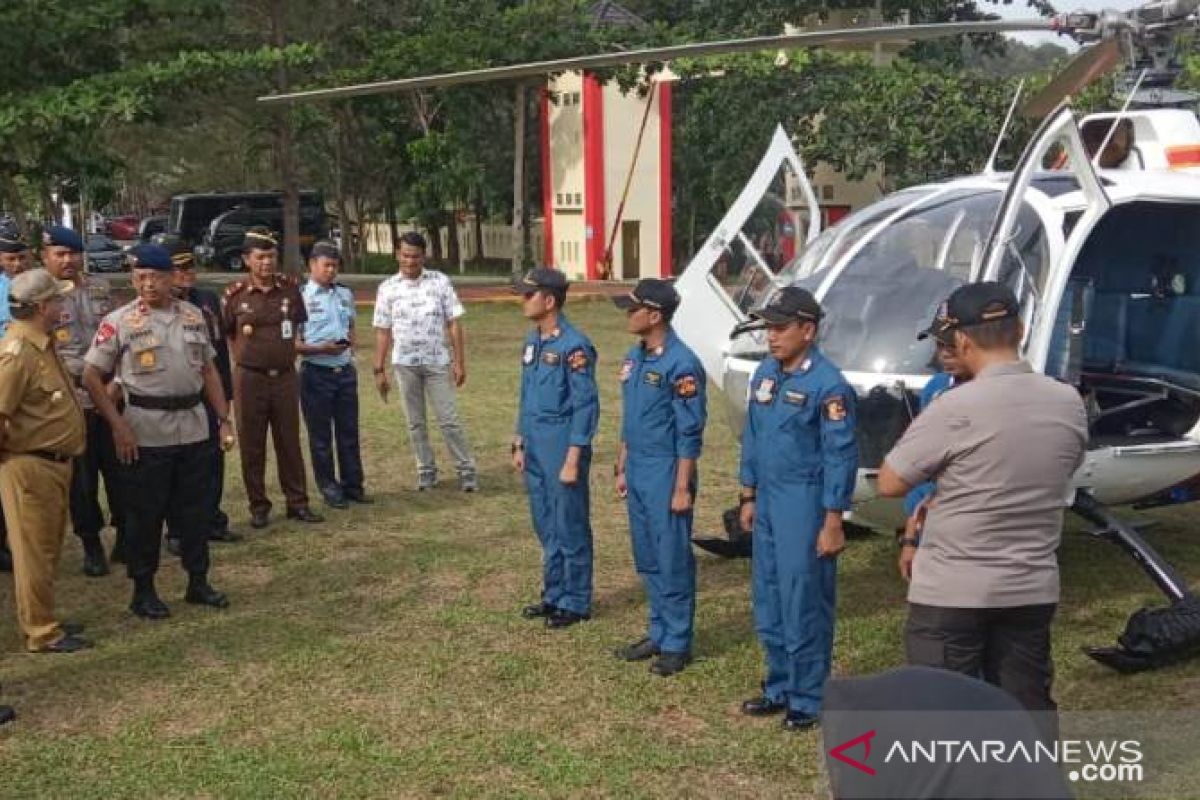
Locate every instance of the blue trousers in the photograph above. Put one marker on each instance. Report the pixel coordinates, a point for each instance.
(795, 595)
(562, 519)
(662, 550)
(329, 400)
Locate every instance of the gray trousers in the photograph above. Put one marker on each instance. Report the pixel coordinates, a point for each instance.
(436, 382)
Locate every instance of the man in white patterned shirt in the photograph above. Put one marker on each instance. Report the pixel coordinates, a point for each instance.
(416, 312)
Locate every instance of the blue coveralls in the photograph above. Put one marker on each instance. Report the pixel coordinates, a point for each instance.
(664, 411)
(559, 409)
(799, 452)
(938, 385)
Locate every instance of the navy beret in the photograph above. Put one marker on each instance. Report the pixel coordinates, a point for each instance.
(151, 256)
(59, 236)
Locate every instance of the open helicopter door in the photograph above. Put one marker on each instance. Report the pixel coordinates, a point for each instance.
(736, 267)
(1031, 244)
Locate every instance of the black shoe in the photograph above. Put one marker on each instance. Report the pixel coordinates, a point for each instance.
(71, 628)
(304, 515)
(799, 721)
(69, 643)
(638, 651)
(538, 610)
(670, 663)
(200, 593)
(762, 706)
(224, 535)
(173, 546)
(358, 496)
(426, 481)
(95, 564)
(561, 618)
(260, 519)
(7, 714)
(468, 483)
(149, 606)
(335, 499)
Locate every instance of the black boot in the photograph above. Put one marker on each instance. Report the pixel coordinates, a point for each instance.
(201, 594)
(95, 563)
(146, 602)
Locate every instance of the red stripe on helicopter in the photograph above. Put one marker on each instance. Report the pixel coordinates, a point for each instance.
(1183, 156)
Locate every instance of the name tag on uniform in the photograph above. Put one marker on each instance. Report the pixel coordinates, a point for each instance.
(285, 329)
(527, 356)
(794, 398)
(550, 357)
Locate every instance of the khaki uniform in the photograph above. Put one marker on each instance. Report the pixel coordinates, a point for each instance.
(159, 355)
(45, 431)
(262, 326)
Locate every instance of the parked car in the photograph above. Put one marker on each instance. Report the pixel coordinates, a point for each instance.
(221, 246)
(192, 215)
(150, 227)
(123, 228)
(103, 254)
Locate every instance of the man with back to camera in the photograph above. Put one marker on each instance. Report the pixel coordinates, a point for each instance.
(662, 429)
(552, 446)
(798, 468)
(1002, 450)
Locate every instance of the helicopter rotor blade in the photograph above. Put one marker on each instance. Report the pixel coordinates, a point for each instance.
(1079, 73)
(890, 33)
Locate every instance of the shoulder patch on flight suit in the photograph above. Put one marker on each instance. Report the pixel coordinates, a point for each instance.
(685, 386)
(527, 356)
(835, 408)
(105, 332)
(578, 359)
(550, 357)
(765, 392)
(626, 370)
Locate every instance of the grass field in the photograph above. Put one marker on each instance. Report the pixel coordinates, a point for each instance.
(381, 654)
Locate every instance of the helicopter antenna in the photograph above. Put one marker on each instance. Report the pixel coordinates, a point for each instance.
(1112, 129)
(990, 169)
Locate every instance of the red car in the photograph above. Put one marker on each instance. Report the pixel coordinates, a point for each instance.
(122, 228)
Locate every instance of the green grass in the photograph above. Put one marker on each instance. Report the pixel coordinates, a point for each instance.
(381, 655)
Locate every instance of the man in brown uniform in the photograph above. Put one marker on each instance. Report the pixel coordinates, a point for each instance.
(261, 318)
(41, 430)
(83, 308)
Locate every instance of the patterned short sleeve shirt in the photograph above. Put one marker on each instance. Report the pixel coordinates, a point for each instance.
(417, 313)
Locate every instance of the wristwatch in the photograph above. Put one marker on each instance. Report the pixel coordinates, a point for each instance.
(908, 541)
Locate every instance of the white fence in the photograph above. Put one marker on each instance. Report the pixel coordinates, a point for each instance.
(497, 239)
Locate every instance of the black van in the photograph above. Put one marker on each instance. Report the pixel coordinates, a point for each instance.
(192, 215)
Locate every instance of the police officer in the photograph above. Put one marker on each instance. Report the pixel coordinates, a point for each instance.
(552, 446)
(261, 317)
(83, 309)
(662, 428)
(41, 431)
(328, 380)
(159, 349)
(799, 459)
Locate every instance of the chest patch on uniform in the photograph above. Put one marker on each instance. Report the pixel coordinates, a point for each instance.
(626, 370)
(63, 335)
(578, 360)
(147, 359)
(652, 378)
(527, 356)
(105, 332)
(794, 398)
(685, 386)
(835, 408)
(550, 357)
(765, 392)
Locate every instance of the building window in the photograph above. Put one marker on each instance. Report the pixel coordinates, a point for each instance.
(575, 98)
(827, 191)
(578, 199)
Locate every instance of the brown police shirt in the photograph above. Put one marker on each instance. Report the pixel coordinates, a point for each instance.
(262, 324)
(37, 396)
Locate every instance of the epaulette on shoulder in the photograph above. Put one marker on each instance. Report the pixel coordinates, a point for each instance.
(287, 280)
(234, 288)
(12, 347)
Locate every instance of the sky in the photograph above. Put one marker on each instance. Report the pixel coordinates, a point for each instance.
(1018, 10)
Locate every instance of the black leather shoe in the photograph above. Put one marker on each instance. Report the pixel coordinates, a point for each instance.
(201, 594)
(561, 618)
(173, 546)
(304, 515)
(638, 651)
(7, 714)
(224, 535)
(71, 628)
(799, 721)
(762, 706)
(69, 643)
(95, 564)
(670, 663)
(359, 497)
(260, 519)
(538, 610)
(149, 606)
(335, 500)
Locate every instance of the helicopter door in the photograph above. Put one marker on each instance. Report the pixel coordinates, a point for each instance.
(773, 219)
(1026, 247)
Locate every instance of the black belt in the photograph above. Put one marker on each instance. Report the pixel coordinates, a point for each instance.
(327, 368)
(177, 403)
(57, 458)
(270, 373)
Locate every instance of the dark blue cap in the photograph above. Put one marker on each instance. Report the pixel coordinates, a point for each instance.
(59, 236)
(540, 278)
(789, 304)
(11, 243)
(151, 256)
(652, 293)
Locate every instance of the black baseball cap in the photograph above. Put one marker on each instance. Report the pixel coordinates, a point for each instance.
(540, 278)
(973, 304)
(790, 303)
(652, 293)
(325, 249)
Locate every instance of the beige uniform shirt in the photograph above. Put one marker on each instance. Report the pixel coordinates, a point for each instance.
(157, 353)
(1002, 449)
(83, 309)
(36, 396)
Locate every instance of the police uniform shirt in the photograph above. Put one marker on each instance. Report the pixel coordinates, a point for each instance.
(157, 353)
(36, 395)
(558, 384)
(330, 315)
(5, 314)
(664, 405)
(82, 311)
(263, 323)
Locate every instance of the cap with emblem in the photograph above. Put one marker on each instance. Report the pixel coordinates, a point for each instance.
(36, 286)
(60, 236)
(789, 304)
(325, 249)
(181, 254)
(150, 256)
(938, 327)
(540, 278)
(260, 239)
(974, 304)
(11, 243)
(652, 293)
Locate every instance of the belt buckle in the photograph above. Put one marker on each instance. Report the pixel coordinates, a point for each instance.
(272, 373)
(338, 370)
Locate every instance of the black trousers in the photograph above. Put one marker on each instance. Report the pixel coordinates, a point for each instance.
(169, 486)
(329, 400)
(100, 458)
(1007, 647)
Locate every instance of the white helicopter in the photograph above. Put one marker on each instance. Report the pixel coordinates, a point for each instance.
(1105, 260)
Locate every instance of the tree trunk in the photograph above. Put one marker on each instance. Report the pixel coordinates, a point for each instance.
(343, 208)
(389, 212)
(435, 242)
(13, 200)
(479, 226)
(285, 151)
(518, 218)
(454, 254)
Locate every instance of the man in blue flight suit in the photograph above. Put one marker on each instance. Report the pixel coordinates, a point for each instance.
(553, 446)
(799, 459)
(662, 428)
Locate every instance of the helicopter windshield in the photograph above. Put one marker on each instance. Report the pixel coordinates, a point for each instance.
(890, 288)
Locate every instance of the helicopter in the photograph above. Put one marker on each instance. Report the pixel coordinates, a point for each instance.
(1116, 315)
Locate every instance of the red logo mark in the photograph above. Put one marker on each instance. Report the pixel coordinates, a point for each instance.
(839, 752)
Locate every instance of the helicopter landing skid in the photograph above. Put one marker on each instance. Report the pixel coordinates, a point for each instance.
(1153, 637)
(738, 543)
